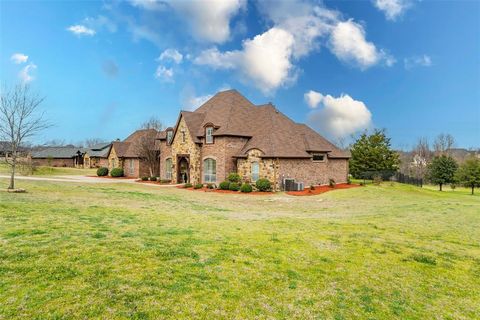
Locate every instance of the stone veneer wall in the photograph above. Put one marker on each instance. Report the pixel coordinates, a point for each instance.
(314, 173)
(268, 168)
(165, 153)
(112, 157)
(188, 147)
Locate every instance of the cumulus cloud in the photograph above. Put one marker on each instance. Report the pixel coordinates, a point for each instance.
(25, 74)
(349, 44)
(172, 55)
(164, 74)
(417, 61)
(81, 30)
(392, 8)
(265, 59)
(19, 58)
(339, 117)
(313, 98)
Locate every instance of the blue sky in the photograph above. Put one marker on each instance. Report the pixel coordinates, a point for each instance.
(412, 67)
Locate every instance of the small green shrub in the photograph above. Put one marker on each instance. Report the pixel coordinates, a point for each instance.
(331, 183)
(234, 186)
(116, 172)
(153, 178)
(224, 185)
(144, 178)
(234, 177)
(263, 185)
(349, 179)
(198, 186)
(187, 185)
(211, 186)
(102, 172)
(246, 187)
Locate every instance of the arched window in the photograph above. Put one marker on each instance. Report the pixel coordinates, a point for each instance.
(168, 169)
(209, 170)
(255, 171)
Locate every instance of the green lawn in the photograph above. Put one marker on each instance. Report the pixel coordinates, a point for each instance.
(70, 251)
(49, 171)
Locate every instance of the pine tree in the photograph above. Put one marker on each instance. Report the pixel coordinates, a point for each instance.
(442, 170)
(469, 174)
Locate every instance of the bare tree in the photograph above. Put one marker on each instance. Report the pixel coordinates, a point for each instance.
(152, 123)
(148, 151)
(443, 144)
(19, 120)
(55, 143)
(88, 143)
(422, 155)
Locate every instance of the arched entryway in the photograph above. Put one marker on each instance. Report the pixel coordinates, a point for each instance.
(183, 171)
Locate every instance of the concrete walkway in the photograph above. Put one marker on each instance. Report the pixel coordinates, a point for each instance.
(86, 179)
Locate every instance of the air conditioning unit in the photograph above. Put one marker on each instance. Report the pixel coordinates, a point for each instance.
(299, 186)
(288, 184)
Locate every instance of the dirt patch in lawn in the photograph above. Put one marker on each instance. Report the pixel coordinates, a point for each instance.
(321, 189)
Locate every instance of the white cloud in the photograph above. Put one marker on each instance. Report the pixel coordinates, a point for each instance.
(100, 22)
(25, 74)
(81, 30)
(153, 5)
(164, 74)
(348, 43)
(193, 102)
(392, 8)
(171, 54)
(313, 98)
(265, 59)
(417, 61)
(19, 58)
(339, 117)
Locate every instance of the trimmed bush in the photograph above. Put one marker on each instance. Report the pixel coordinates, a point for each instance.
(224, 185)
(144, 178)
(263, 185)
(188, 185)
(153, 178)
(102, 172)
(116, 172)
(234, 177)
(198, 186)
(246, 187)
(234, 186)
(211, 186)
(331, 183)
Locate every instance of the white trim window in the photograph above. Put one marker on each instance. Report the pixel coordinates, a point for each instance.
(209, 135)
(132, 166)
(209, 170)
(255, 171)
(169, 136)
(168, 169)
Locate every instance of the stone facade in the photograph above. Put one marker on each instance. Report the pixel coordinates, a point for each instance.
(268, 167)
(94, 162)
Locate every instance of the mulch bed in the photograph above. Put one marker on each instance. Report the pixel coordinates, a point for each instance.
(321, 189)
(258, 193)
(109, 177)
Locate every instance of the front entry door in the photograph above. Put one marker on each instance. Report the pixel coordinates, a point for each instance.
(183, 172)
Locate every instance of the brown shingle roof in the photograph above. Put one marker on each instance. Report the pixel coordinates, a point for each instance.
(268, 129)
(128, 148)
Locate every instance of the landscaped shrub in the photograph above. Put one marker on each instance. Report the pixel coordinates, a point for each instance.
(116, 172)
(198, 186)
(187, 185)
(234, 177)
(331, 183)
(349, 179)
(144, 178)
(234, 186)
(211, 186)
(153, 178)
(312, 187)
(224, 185)
(263, 185)
(246, 187)
(102, 172)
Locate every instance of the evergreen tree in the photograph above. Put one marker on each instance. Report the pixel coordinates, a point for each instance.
(442, 170)
(469, 173)
(371, 154)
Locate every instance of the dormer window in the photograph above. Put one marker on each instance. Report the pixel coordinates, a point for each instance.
(209, 135)
(169, 136)
(318, 157)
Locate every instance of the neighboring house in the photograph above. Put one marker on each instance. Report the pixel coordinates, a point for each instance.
(6, 147)
(127, 154)
(97, 156)
(58, 157)
(230, 134)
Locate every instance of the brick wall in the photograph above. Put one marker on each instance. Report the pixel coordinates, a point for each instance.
(314, 173)
(165, 153)
(54, 162)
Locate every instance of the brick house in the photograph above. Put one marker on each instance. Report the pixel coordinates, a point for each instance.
(68, 156)
(230, 134)
(97, 156)
(127, 154)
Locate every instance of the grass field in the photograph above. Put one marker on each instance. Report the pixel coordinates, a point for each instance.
(49, 171)
(70, 251)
